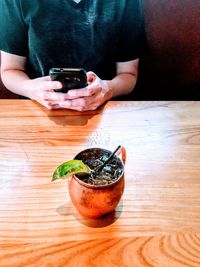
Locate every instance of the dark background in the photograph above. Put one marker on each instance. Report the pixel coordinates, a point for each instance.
(170, 66)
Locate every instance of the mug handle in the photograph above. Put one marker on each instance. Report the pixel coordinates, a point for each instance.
(122, 151)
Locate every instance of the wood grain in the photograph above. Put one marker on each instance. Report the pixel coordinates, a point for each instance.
(157, 222)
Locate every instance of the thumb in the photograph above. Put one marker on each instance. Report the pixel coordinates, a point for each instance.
(91, 77)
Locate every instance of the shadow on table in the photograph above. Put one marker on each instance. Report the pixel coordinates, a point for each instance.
(66, 117)
(68, 209)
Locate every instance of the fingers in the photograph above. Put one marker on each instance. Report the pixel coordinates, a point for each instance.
(45, 78)
(93, 88)
(82, 104)
(88, 98)
(51, 85)
(87, 91)
(49, 105)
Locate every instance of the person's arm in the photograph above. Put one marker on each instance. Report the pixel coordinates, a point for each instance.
(15, 78)
(126, 78)
(13, 73)
(99, 91)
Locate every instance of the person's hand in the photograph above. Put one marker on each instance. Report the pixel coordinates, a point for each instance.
(42, 90)
(89, 98)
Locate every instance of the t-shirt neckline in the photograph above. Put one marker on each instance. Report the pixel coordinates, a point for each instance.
(74, 4)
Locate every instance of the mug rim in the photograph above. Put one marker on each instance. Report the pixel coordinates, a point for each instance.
(99, 186)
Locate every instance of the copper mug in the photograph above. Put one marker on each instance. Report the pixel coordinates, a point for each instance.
(97, 200)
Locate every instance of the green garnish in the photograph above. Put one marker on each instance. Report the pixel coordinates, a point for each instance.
(69, 168)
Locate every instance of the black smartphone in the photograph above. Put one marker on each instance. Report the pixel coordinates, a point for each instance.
(70, 78)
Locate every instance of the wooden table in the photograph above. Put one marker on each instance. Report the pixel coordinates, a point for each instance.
(157, 223)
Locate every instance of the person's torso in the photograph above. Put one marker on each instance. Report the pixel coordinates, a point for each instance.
(63, 33)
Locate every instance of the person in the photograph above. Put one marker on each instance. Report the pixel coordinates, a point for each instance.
(103, 37)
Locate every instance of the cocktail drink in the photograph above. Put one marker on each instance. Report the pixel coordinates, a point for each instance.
(98, 193)
(94, 159)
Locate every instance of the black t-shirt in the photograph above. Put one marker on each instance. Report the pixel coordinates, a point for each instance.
(93, 34)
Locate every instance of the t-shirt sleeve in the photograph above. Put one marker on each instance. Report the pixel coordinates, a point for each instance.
(13, 30)
(132, 41)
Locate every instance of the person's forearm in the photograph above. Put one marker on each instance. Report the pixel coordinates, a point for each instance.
(16, 81)
(122, 84)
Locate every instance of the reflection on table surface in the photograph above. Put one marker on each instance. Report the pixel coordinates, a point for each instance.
(158, 219)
